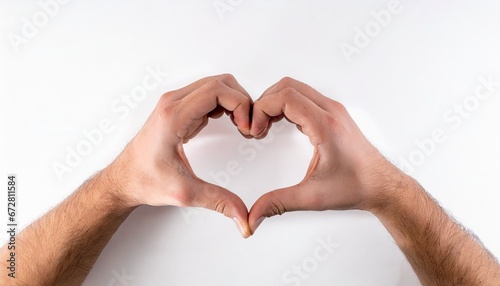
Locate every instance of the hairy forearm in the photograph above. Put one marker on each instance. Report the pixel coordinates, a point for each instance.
(440, 250)
(61, 247)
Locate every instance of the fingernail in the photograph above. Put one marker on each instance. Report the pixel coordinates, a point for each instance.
(240, 226)
(245, 131)
(257, 223)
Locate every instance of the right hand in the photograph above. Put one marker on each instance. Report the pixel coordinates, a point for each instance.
(346, 171)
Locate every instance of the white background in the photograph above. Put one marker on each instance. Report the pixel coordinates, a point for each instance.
(66, 76)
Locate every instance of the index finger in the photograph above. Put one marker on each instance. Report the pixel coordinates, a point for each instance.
(304, 89)
(228, 79)
(296, 107)
(195, 107)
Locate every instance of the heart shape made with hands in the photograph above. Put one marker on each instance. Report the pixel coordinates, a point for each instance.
(334, 178)
(245, 166)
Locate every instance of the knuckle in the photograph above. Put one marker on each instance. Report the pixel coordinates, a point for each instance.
(166, 109)
(227, 77)
(338, 107)
(215, 84)
(167, 97)
(335, 123)
(221, 207)
(277, 208)
(331, 120)
(285, 82)
(246, 102)
(288, 94)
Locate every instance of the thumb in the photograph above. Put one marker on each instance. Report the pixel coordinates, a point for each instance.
(225, 202)
(278, 202)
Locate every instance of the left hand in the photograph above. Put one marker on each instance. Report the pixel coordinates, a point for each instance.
(153, 169)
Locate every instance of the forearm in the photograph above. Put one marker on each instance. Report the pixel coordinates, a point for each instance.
(61, 247)
(440, 250)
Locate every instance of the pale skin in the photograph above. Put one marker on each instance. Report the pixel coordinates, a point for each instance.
(346, 172)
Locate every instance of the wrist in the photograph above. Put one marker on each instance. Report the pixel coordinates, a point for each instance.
(402, 206)
(116, 187)
(385, 187)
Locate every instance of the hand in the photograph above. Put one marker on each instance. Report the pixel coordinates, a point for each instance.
(346, 171)
(153, 168)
